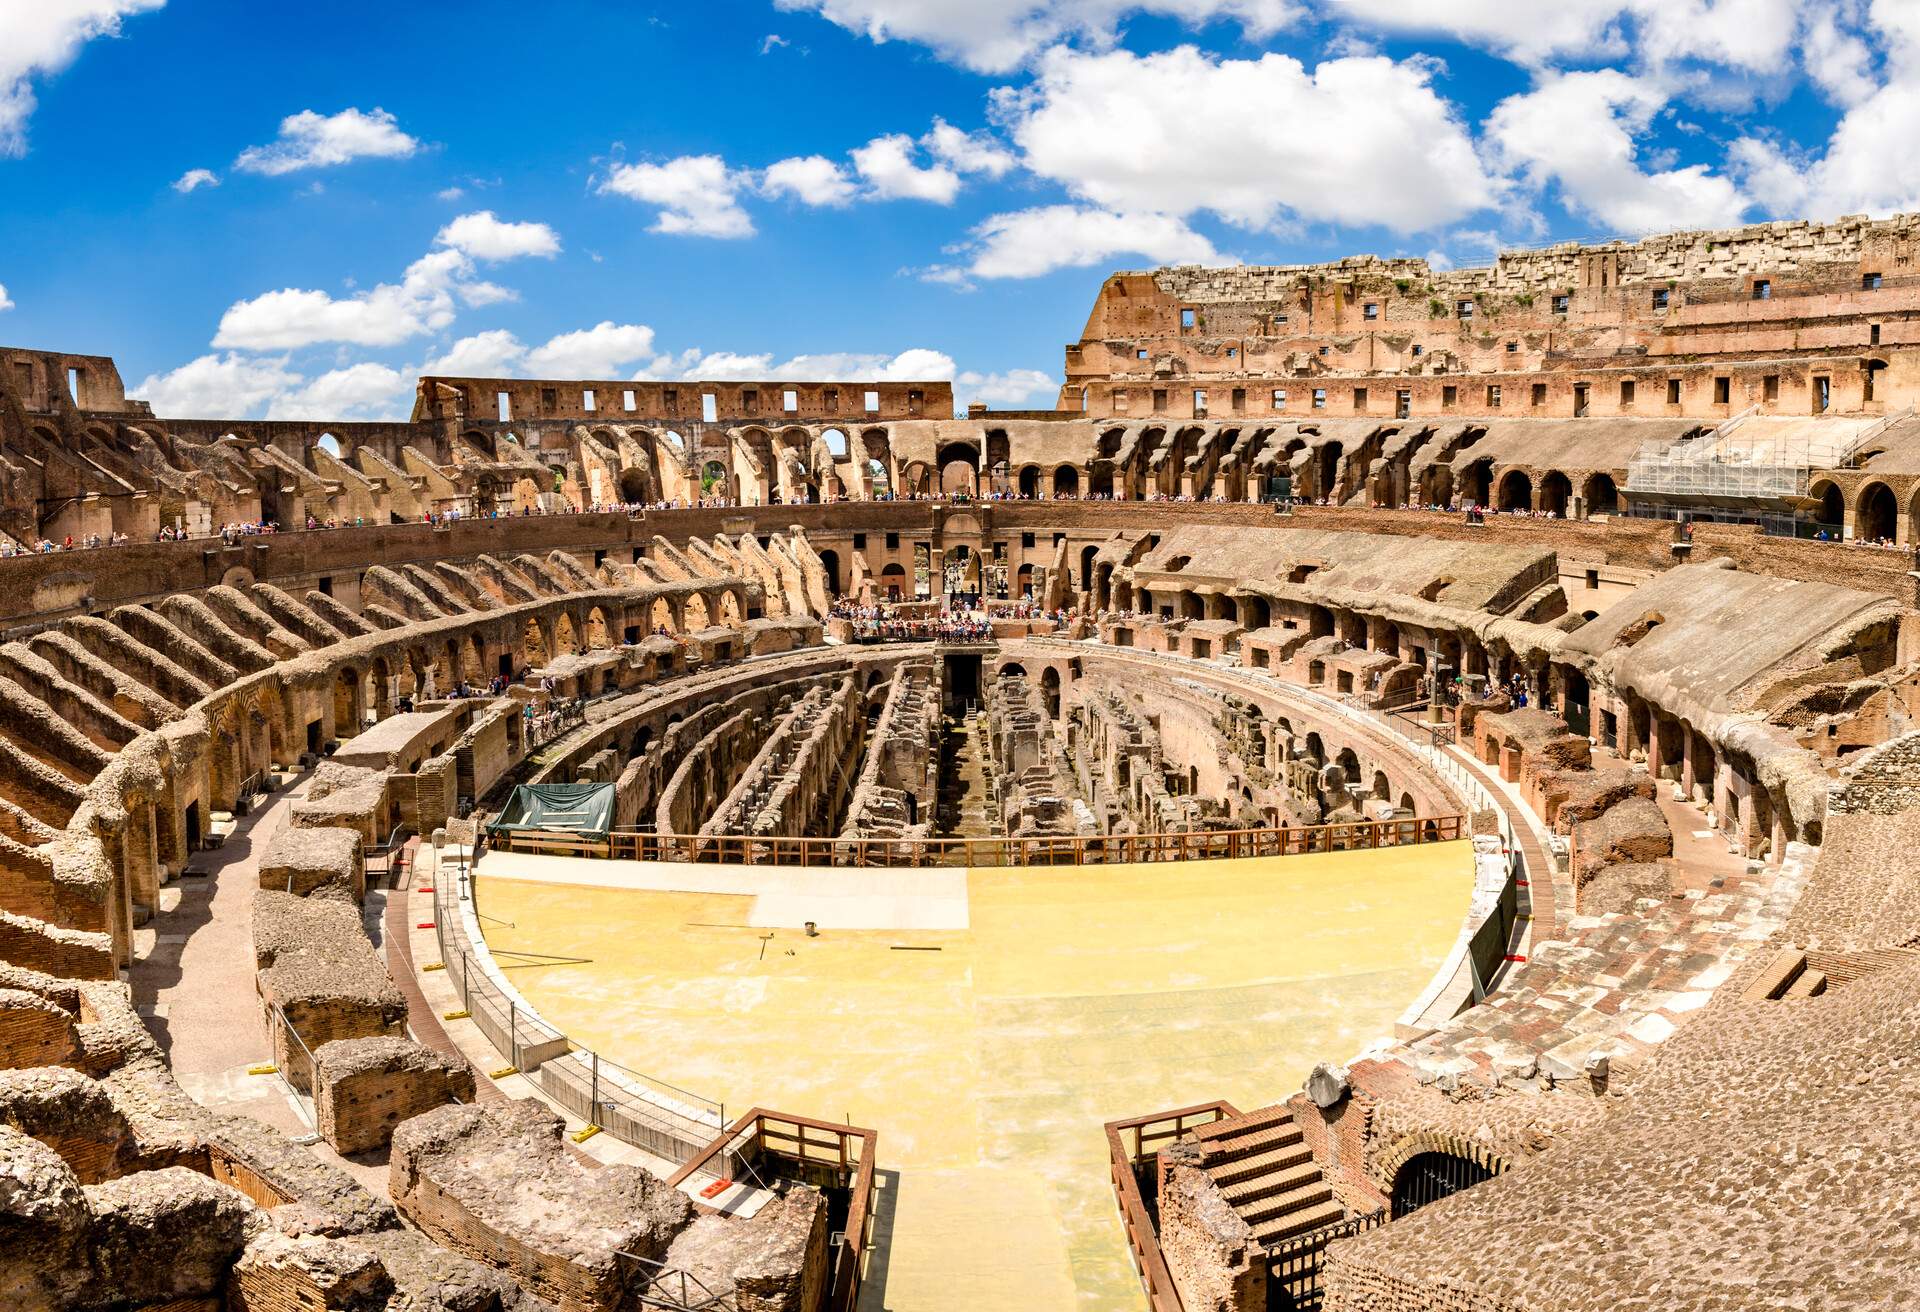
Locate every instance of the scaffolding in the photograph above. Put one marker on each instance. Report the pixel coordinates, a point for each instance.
(1749, 461)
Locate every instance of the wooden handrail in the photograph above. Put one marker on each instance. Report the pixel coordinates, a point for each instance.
(1155, 1278)
(845, 1290)
(1077, 850)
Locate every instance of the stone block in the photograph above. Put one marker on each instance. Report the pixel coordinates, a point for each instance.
(298, 861)
(278, 1273)
(774, 1261)
(43, 1225)
(366, 1087)
(161, 1236)
(497, 1185)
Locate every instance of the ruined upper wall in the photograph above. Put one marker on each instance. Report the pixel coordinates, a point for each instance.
(50, 382)
(509, 400)
(1790, 248)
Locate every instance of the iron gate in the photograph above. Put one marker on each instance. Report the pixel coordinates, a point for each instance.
(1429, 1177)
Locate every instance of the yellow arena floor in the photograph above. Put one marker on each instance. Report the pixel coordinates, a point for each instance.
(1073, 997)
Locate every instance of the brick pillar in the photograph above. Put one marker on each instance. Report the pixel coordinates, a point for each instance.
(1653, 745)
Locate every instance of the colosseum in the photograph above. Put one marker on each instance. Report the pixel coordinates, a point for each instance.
(1398, 795)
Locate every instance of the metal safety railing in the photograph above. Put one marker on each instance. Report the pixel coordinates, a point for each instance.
(672, 1123)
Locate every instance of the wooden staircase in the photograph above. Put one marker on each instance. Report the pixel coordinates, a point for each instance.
(1264, 1170)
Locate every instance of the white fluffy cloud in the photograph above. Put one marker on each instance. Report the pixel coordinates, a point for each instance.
(996, 36)
(308, 140)
(357, 392)
(968, 152)
(606, 350)
(1868, 165)
(887, 166)
(698, 195)
(1755, 36)
(386, 315)
(6, 302)
(425, 300)
(218, 387)
(194, 179)
(809, 179)
(1014, 389)
(495, 353)
(1028, 243)
(39, 39)
(1578, 130)
(234, 386)
(1358, 141)
(486, 237)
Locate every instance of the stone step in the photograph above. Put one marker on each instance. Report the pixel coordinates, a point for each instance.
(1280, 1180)
(1280, 1206)
(1252, 1143)
(1298, 1223)
(1258, 1119)
(1277, 1157)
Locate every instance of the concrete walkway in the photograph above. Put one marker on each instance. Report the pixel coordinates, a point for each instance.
(193, 983)
(193, 976)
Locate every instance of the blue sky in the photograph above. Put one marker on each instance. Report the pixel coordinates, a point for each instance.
(284, 210)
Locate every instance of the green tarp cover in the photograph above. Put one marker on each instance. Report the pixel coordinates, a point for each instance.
(584, 809)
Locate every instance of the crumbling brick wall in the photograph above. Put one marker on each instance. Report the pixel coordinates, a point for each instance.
(366, 1087)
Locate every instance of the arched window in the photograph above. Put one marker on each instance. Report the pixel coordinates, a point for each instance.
(1429, 1177)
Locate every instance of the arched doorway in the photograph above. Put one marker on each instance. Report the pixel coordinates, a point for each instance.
(1066, 481)
(1832, 513)
(1516, 491)
(1878, 513)
(1603, 498)
(1555, 491)
(830, 561)
(1030, 481)
(1429, 1177)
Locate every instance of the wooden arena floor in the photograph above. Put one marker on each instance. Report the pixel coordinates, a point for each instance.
(986, 1056)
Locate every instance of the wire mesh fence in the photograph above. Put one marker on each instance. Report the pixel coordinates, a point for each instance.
(660, 1118)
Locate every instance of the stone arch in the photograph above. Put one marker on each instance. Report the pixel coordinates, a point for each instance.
(1516, 491)
(1876, 513)
(1556, 491)
(535, 649)
(830, 562)
(566, 638)
(661, 618)
(732, 610)
(959, 478)
(1029, 480)
(596, 631)
(1066, 481)
(694, 615)
(1050, 690)
(1832, 511)
(1601, 494)
(349, 702)
(1386, 1167)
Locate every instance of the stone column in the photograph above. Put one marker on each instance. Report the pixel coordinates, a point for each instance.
(1687, 779)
